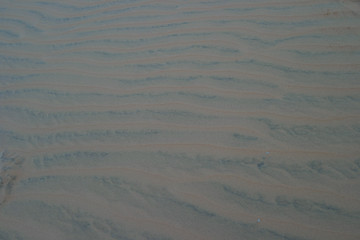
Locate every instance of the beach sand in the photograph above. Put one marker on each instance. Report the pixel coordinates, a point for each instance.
(179, 119)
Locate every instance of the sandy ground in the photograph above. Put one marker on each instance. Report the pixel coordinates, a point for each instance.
(179, 119)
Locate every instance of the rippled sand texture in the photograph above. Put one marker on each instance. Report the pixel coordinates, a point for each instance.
(180, 119)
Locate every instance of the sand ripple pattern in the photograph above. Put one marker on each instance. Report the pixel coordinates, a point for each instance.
(157, 120)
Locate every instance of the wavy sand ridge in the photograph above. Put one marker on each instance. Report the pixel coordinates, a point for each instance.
(179, 119)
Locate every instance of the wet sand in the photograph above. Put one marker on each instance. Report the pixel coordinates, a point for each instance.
(180, 120)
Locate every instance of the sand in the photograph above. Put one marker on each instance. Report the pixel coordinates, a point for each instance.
(179, 119)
